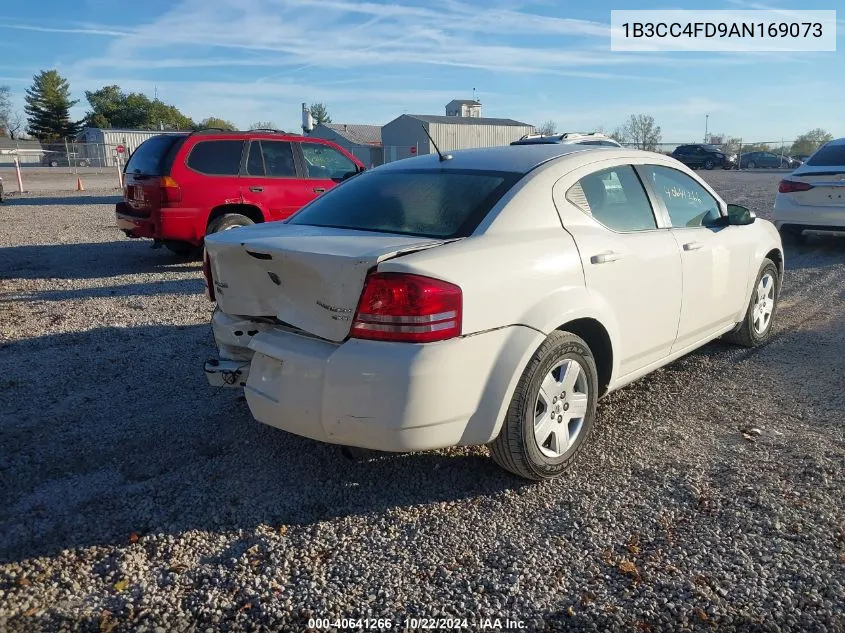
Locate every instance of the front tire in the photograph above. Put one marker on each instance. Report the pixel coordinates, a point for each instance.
(756, 327)
(751, 164)
(709, 164)
(228, 221)
(552, 411)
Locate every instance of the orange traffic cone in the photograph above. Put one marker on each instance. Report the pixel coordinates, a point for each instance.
(79, 186)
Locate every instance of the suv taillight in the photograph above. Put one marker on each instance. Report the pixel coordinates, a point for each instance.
(407, 308)
(788, 186)
(171, 192)
(206, 272)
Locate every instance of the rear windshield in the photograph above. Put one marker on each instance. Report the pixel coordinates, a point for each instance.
(829, 156)
(153, 156)
(440, 204)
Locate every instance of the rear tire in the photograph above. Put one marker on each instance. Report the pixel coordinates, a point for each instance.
(555, 399)
(756, 325)
(751, 164)
(228, 221)
(709, 164)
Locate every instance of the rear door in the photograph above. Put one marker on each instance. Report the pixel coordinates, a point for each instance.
(715, 259)
(270, 180)
(323, 167)
(629, 262)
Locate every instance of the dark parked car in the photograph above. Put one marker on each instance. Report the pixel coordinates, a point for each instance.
(60, 159)
(702, 155)
(753, 160)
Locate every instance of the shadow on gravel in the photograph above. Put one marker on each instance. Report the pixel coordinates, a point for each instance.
(91, 260)
(177, 287)
(114, 430)
(67, 200)
(818, 251)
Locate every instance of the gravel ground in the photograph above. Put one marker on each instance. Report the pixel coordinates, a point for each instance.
(59, 179)
(134, 497)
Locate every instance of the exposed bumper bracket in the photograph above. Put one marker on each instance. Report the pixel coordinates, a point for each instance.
(226, 373)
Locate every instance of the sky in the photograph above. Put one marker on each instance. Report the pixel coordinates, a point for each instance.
(371, 61)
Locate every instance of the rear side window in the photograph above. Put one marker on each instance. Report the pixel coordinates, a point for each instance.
(271, 158)
(440, 204)
(616, 198)
(829, 156)
(152, 156)
(217, 158)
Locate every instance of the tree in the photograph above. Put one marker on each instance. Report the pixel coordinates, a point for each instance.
(48, 105)
(620, 135)
(548, 128)
(15, 124)
(113, 108)
(5, 109)
(728, 144)
(320, 113)
(640, 130)
(217, 122)
(810, 141)
(263, 125)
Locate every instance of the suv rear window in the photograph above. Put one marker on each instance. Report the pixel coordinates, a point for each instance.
(153, 155)
(425, 203)
(829, 156)
(217, 158)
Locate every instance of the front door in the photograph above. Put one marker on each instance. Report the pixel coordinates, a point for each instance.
(324, 167)
(633, 265)
(715, 258)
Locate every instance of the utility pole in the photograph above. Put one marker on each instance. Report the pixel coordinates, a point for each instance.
(706, 127)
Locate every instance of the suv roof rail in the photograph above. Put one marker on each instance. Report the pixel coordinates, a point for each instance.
(266, 129)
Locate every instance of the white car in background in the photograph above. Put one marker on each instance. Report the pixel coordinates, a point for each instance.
(490, 297)
(812, 198)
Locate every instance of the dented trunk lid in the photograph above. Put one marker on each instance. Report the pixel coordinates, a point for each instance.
(309, 277)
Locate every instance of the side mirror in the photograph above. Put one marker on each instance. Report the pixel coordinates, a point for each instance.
(361, 168)
(739, 215)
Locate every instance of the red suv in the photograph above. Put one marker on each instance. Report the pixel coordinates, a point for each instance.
(178, 188)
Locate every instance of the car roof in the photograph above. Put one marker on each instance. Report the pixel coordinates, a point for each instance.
(507, 158)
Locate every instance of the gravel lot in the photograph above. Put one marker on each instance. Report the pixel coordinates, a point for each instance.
(134, 497)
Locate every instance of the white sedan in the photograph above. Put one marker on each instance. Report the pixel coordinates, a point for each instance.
(490, 297)
(812, 198)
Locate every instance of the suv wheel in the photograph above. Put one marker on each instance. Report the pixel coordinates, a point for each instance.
(54, 163)
(709, 164)
(552, 410)
(228, 221)
(751, 164)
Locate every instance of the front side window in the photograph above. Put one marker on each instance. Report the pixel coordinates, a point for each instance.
(614, 197)
(324, 162)
(217, 158)
(688, 203)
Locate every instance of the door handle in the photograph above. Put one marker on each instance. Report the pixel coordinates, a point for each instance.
(256, 189)
(692, 246)
(319, 189)
(606, 257)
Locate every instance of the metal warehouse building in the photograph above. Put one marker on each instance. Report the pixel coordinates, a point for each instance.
(404, 136)
(98, 145)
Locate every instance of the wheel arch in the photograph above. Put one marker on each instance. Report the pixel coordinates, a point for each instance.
(598, 339)
(248, 210)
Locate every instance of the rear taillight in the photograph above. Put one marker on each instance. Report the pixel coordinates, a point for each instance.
(171, 192)
(408, 308)
(788, 186)
(206, 272)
